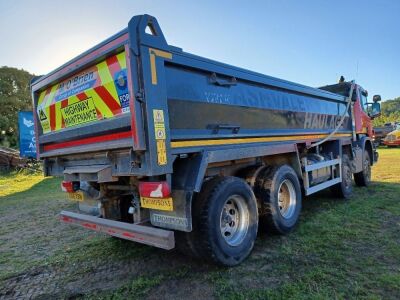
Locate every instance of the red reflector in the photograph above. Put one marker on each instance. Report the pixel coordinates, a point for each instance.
(66, 219)
(67, 186)
(90, 225)
(128, 234)
(154, 189)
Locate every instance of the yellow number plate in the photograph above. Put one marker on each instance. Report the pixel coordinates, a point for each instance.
(157, 203)
(77, 196)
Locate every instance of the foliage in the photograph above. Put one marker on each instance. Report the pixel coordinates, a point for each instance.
(390, 112)
(14, 97)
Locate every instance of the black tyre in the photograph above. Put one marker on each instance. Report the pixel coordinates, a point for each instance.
(363, 178)
(344, 189)
(279, 190)
(186, 242)
(225, 222)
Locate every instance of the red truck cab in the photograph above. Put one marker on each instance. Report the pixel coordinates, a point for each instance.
(363, 111)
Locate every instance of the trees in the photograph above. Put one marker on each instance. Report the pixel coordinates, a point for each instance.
(390, 112)
(14, 97)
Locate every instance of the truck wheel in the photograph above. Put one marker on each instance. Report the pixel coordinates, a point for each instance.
(344, 188)
(186, 242)
(363, 178)
(225, 221)
(280, 193)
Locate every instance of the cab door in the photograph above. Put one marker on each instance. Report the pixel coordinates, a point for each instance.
(363, 121)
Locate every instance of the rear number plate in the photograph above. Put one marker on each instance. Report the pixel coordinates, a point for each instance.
(157, 203)
(77, 196)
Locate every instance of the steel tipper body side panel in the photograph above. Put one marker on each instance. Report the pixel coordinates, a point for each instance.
(244, 106)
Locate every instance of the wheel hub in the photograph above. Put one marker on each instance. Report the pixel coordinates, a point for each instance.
(287, 199)
(234, 221)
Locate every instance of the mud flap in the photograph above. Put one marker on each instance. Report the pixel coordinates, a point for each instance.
(179, 218)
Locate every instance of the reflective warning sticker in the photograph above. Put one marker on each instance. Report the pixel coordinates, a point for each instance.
(161, 152)
(160, 135)
(79, 113)
(44, 121)
(158, 116)
(105, 83)
(160, 131)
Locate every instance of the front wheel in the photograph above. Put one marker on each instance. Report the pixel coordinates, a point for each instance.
(225, 221)
(363, 178)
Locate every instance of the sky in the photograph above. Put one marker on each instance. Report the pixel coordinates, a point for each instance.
(309, 42)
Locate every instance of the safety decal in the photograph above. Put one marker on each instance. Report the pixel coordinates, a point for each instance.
(160, 136)
(121, 82)
(44, 120)
(79, 113)
(96, 93)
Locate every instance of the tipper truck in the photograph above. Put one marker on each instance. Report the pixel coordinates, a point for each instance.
(169, 149)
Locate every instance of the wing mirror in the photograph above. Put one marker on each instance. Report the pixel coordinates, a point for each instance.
(375, 109)
(376, 98)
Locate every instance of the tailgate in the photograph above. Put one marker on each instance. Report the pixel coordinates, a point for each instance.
(94, 94)
(84, 105)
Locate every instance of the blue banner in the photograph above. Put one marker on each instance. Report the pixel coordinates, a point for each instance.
(27, 139)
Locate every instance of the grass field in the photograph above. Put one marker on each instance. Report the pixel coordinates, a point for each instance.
(341, 249)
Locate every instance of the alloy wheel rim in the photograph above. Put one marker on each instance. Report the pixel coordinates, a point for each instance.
(234, 220)
(287, 199)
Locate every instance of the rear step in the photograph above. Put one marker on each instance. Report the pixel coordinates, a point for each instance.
(156, 237)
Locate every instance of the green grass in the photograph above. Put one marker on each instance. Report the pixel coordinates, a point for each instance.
(341, 249)
(17, 182)
(29, 205)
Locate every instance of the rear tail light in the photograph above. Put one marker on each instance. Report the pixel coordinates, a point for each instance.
(69, 186)
(158, 189)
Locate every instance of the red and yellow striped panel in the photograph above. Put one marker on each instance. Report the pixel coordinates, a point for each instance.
(99, 92)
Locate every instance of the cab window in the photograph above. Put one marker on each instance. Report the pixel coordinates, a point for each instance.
(364, 101)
